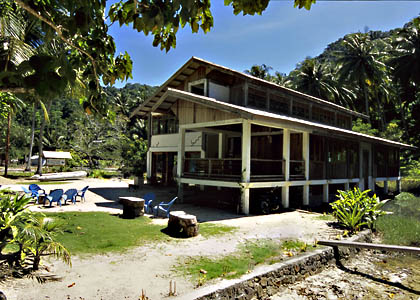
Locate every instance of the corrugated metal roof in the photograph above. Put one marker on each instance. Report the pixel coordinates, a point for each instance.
(194, 63)
(56, 154)
(254, 114)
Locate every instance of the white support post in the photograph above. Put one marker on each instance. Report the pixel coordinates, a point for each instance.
(286, 159)
(325, 189)
(398, 182)
(180, 163)
(246, 164)
(149, 165)
(220, 150)
(286, 153)
(347, 186)
(361, 175)
(285, 196)
(386, 189)
(305, 155)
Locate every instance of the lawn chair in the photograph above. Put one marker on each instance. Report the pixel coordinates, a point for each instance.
(164, 207)
(36, 191)
(55, 196)
(28, 192)
(81, 194)
(148, 199)
(70, 195)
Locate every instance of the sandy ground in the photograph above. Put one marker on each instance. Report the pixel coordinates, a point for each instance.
(152, 267)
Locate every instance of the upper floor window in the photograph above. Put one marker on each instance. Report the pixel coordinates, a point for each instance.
(343, 121)
(165, 124)
(323, 116)
(279, 104)
(300, 110)
(198, 87)
(257, 98)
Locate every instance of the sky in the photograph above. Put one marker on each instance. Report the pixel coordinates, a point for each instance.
(281, 37)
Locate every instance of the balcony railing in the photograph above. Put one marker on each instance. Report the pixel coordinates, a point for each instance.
(230, 169)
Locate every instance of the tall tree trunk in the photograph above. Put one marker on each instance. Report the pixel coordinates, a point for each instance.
(41, 135)
(31, 145)
(6, 152)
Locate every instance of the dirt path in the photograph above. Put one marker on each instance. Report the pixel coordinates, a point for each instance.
(151, 267)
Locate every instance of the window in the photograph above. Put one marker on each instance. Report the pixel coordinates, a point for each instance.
(300, 110)
(322, 115)
(198, 87)
(343, 121)
(257, 98)
(279, 104)
(164, 124)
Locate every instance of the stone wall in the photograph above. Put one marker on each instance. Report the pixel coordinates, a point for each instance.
(267, 281)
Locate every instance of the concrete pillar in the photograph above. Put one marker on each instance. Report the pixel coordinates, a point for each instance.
(398, 182)
(305, 155)
(285, 196)
(220, 150)
(246, 164)
(286, 153)
(286, 158)
(386, 189)
(180, 163)
(347, 186)
(149, 165)
(325, 189)
(306, 195)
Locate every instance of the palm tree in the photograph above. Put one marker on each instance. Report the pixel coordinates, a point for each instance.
(262, 71)
(315, 79)
(358, 63)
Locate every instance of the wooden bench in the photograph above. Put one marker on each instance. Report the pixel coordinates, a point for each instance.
(180, 222)
(132, 207)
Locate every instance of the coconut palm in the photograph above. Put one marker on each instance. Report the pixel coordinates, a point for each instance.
(358, 63)
(315, 79)
(260, 71)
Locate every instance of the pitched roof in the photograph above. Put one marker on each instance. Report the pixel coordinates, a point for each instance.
(194, 63)
(56, 154)
(171, 96)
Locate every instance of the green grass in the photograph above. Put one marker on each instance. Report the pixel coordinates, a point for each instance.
(325, 217)
(99, 232)
(242, 261)
(402, 227)
(407, 184)
(211, 229)
(19, 174)
(44, 182)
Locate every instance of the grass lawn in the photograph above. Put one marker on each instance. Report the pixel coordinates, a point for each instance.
(245, 259)
(100, 232)
(43, 182)
(402, 227)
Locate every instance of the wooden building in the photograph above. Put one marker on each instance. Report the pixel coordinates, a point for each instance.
(213, 126)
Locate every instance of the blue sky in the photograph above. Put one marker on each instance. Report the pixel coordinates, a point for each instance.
(281, 37)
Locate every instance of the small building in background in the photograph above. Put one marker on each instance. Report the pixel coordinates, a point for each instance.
(51, 158)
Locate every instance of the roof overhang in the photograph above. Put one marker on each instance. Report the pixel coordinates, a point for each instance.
(170, 97)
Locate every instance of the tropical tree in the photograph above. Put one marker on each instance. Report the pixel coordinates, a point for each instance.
(260, 71)
(359, 64)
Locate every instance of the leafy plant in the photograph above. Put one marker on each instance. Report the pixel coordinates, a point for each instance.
(355, 209)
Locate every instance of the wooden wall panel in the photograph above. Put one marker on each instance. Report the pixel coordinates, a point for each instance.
(189, 112)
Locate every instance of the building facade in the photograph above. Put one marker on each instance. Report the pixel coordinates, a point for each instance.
(213, 126)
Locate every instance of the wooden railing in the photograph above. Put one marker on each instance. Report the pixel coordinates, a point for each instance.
(225, 168)
(297, 169)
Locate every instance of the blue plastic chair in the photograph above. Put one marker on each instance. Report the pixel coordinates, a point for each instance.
(26, 190)
(55, 196)
(148, 199)
(36, 191)
(81, 194)
(70, 195)
(164, 207)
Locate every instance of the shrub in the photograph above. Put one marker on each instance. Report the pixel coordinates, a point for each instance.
(355, 209)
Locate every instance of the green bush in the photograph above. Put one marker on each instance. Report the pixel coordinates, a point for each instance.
(355, 209)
